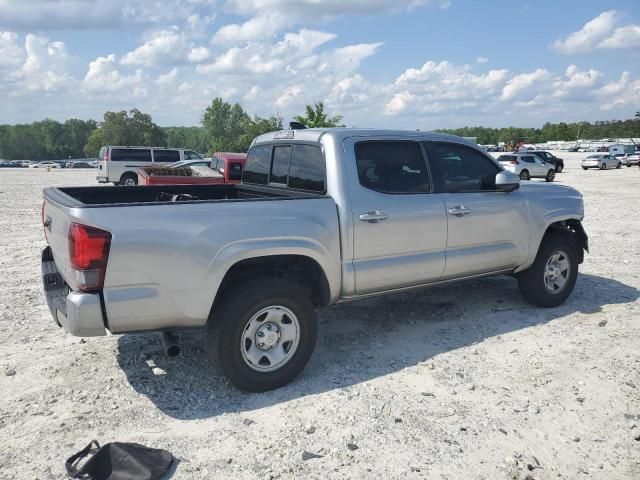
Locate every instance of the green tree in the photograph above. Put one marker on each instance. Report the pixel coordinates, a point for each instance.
(122, 128)
(315, 117)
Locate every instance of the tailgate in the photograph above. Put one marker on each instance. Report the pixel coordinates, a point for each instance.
(57, 219)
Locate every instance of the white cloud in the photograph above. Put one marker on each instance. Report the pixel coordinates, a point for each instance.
(263, 26)
(198, 54)
(11, 53)
(482, 60)
(592, 33)
(92, 14)
(399, 103)
(164, 47)
(525, 85)
(45, 66)
(103, 76)
(621, 93)
(576, 80)
(602, 32)
(268, 17)
(623, 37)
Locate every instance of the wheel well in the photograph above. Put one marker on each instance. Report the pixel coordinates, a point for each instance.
(571, 227)
(298, 269)
(129, 174)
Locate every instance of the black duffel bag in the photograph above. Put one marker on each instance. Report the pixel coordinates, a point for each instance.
(119, 461)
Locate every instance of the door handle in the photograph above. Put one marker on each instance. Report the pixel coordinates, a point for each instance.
(459, 211)
(373, 216)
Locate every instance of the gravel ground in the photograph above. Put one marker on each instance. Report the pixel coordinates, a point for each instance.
(462, 381)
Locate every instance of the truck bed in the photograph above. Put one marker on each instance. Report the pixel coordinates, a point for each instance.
(119, 196)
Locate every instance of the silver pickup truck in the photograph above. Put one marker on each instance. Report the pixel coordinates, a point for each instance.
(322, 216)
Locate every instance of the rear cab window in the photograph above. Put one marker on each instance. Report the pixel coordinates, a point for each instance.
(295, 166)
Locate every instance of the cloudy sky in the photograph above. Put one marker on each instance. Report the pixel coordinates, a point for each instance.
(381, 63)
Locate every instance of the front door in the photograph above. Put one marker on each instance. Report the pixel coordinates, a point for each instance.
(399, 224)
(487, 230)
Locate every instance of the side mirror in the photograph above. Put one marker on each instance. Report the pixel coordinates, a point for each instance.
(507, 182)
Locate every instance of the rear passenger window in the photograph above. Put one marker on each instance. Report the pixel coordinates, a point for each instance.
(130, 155)
(464, 169)
(280, 165)
(307, 171)
(392, 167)
(257, 165)
(166, 156)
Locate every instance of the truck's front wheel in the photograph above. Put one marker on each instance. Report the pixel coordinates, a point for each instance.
(551, 278)
(262, 334)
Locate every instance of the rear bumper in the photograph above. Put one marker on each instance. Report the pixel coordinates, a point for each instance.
(78, 313)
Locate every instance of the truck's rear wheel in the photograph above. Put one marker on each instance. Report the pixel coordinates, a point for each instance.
(129, 179)
(559, 168)
(551, 278)
(262, 334)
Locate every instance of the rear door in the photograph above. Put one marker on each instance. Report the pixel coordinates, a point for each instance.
(399, 224)
(487, 230)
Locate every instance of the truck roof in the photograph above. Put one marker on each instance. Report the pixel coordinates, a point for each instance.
(341, 133)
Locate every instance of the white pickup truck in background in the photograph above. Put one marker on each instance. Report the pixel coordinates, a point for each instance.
(322, 216)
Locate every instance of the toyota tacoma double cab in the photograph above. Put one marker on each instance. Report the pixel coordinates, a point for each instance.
(321, 216)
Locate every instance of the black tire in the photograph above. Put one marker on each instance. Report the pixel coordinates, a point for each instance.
(524, 175)
(127, 178)
(551, 175)
(628, 165)
(531, 282)
(619, 165)
(603, 166)
(584, 168)
(232, 316)
(559, 168)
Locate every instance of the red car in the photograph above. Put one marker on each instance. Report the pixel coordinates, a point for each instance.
(224, 167)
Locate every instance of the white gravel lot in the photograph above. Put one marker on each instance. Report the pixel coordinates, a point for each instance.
(454, 382)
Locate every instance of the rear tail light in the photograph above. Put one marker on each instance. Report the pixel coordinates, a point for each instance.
(513, 162)
(88, 253)
(106, 156)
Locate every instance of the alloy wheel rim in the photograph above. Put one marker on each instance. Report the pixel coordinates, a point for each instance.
(270, 338)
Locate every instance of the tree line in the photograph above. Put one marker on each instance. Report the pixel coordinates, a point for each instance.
(552, 132)
(228, 127)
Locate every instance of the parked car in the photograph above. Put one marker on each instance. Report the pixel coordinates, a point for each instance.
(119, 165)
(47, 164)
(79, 165)
(631, 159)
(321, 216)
(603, 161)
(527, 166)
(549, 157)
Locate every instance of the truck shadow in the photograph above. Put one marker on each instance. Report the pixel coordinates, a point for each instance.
(358, 341)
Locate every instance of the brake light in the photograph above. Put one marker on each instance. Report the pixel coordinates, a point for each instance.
(106, 155)
(513, 162)
(88, 253)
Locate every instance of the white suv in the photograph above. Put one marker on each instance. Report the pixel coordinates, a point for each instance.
(119, 165)
(528, 166)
